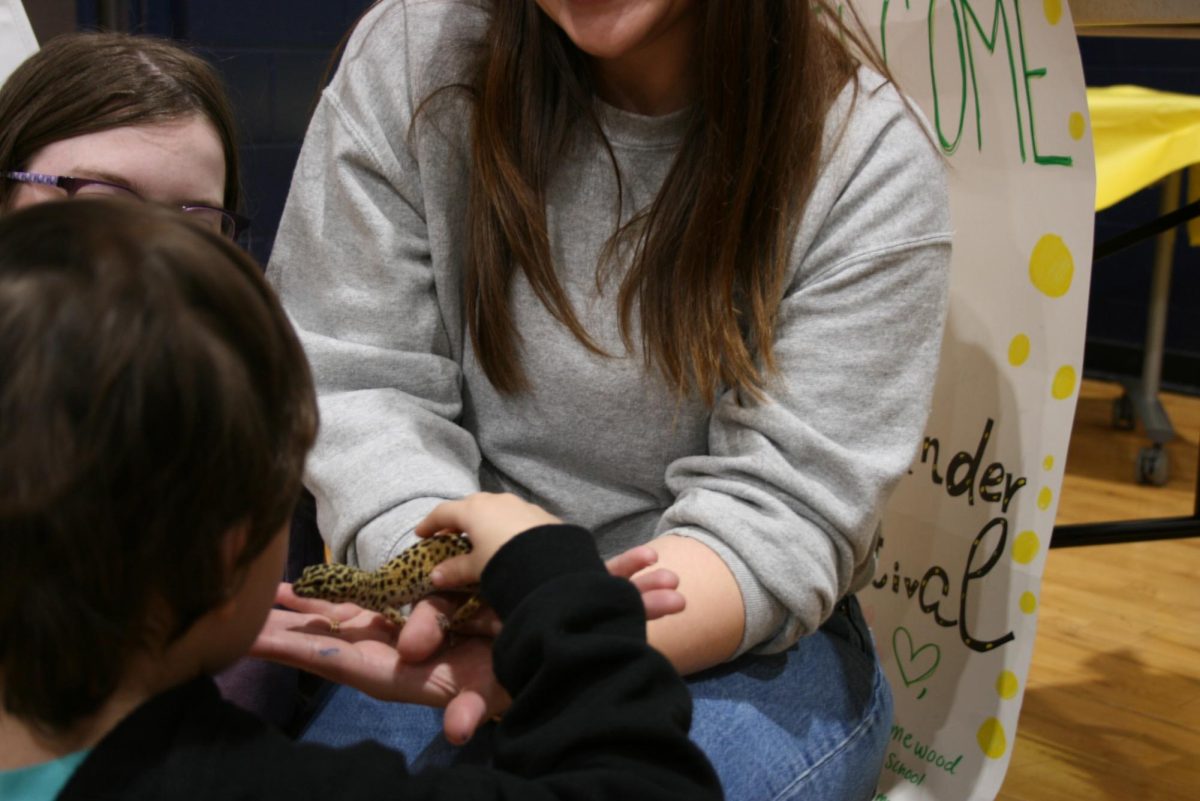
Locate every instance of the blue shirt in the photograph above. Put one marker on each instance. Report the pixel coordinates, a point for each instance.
(39, 782)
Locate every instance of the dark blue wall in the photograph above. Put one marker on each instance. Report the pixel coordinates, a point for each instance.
(1120, 283)
(273, 55)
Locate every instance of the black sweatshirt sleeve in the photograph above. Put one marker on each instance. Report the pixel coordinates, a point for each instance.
(597, 713)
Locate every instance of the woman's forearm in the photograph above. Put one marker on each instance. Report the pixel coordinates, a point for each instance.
(709, 630)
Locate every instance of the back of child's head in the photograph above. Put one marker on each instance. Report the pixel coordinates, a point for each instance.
(153, 398)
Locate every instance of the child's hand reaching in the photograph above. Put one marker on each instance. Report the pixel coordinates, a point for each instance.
(489, 521)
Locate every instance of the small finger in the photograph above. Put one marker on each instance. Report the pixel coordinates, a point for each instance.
(660, 579)
(445, 516)
(465, 713)
(457, 571)
(286, 597)
(627, 563)
(661, 603)
(424, 633)
(284, 594)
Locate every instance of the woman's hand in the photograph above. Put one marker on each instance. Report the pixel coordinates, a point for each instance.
(349, 645)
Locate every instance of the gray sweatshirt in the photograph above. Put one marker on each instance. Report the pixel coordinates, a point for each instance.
(787, 492)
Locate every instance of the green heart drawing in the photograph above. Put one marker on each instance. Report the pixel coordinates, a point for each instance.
(912, 654)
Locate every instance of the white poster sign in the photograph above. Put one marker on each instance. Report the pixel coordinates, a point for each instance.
(954, 604)
(17, 41)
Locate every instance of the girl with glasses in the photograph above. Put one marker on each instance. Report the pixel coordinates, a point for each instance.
(103, 114)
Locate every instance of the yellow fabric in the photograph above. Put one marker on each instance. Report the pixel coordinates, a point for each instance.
(1141, 135)
(1193, 194)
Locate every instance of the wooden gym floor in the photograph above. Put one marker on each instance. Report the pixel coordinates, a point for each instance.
(1112, 708)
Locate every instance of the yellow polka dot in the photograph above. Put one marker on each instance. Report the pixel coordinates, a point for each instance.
(1051, 266)
(1076, 125)
(1018, 350)
(1044, 498)
(1007, 685)
(1028, 602)
(1048, 462)
(1053, 10)
(1025, 547)
(1064, 383)
(992, 739)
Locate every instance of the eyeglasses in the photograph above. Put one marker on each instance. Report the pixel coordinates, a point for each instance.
(223, 221)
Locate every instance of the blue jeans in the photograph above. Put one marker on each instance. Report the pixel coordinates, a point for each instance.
(809, 723)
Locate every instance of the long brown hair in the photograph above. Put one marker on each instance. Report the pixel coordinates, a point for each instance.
(82, 83)
(710, 253)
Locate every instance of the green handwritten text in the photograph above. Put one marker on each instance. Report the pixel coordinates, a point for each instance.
(923, 751)
(971, 30)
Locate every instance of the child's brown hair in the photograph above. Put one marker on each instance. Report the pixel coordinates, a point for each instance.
(153, 397)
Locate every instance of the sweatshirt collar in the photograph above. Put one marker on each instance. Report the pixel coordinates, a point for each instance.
(627, 129)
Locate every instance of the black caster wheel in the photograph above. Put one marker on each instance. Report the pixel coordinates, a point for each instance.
(1122, 413)
(1152, 466)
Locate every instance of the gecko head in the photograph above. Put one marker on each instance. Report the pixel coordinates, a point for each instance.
(330, 582)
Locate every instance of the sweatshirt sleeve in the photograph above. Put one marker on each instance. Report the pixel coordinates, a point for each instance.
(792, 489)
(380, 324)
(597, 712)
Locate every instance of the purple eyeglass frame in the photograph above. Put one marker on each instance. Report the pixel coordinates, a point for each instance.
(71, 185)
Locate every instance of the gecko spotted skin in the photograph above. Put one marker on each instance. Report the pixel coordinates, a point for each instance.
(402, 581)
